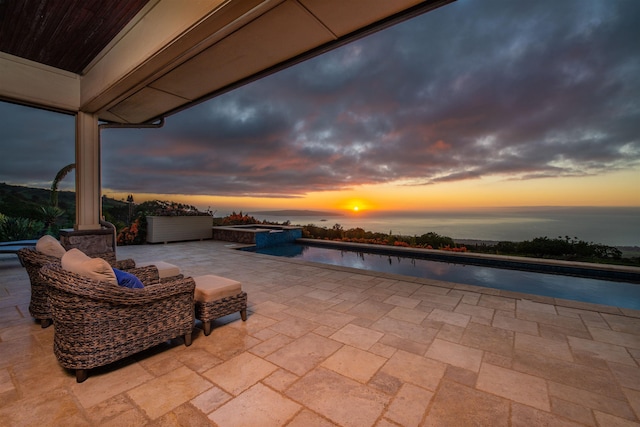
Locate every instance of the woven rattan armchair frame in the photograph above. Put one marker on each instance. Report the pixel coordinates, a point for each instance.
(33, 261)
(97, 323)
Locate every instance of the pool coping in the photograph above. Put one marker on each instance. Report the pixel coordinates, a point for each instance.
(572, 268)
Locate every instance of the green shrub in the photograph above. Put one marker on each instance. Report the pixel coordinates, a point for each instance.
(239, 219)
(20, 229)
(566, 248)
(434, 240)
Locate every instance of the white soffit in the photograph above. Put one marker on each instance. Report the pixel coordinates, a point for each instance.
(145, 104)
(281, 33)
(38, 84)
(142, 50)
(343, 17)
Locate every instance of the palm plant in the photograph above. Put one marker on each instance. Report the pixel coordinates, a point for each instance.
(50, 213)
(59, 177)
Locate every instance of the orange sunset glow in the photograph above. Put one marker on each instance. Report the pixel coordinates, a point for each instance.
(614, 189)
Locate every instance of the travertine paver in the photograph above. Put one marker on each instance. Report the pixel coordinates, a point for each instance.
(354, 363)
(605, 351)
(526, 416)
(516, 325)
(332, 346)
(408, 315)
(407, 330)
(307, 418)
(409, 405)
(633, 396)
(303, 354)
(514, 385)
(455, 354)
(618, 338)
(608, 420)
(415, 369)
(181, 385)
(459, 405)
(402, 301)
(344, 401)
(259, 405)
(628, 376)
(591, 399)
(452, 318)
(572, 411)
(569, 373)
(476, 312)
(526, 305)
(238, 374)
(357, 336)
(116, 382)
(548, 347)
(6, 384)
(495, 340)
(119, 410)
(622, 323)
(211, 399)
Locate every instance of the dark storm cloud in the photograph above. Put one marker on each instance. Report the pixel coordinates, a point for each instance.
(520, 90)
(35, 145)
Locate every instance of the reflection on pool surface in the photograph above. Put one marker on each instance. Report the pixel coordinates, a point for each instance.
(619, 294)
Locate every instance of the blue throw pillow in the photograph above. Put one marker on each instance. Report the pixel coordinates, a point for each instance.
(127, 280)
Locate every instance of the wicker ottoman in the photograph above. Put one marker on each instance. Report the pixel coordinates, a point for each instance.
(217, 296)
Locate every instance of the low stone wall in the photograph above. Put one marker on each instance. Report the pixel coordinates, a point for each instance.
(237, 236)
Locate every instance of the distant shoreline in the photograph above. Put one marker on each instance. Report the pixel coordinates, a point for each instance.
(294, 212)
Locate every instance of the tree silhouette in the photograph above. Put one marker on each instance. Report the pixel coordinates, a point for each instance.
(59, 177)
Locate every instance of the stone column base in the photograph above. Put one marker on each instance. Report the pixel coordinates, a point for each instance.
(88, 241)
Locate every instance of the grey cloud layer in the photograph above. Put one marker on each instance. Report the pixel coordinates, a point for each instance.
(522, 90)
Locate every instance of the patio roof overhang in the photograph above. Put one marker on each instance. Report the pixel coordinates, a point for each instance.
(135, 61)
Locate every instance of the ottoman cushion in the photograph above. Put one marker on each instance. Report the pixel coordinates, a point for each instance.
(212, 288)
(165, 269)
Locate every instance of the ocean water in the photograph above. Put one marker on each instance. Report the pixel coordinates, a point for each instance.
(613, 226)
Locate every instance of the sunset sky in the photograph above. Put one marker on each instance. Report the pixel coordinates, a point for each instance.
(477, 104)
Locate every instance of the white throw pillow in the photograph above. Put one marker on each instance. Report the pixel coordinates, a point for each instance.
(49, 245)
(78, 262)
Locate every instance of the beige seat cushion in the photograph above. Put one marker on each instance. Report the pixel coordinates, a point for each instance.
(212, 288)
(165, 269)
(49, 245)
(78, 262)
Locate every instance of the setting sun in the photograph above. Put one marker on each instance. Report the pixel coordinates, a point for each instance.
(354, 205)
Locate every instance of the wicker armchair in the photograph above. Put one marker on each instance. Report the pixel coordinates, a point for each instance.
(97, 323)
(32, 260)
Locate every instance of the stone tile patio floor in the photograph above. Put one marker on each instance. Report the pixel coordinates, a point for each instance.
(332, 346)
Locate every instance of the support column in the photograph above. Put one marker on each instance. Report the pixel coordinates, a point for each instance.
(88, 185)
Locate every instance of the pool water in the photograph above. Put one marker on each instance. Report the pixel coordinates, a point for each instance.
(618, 294)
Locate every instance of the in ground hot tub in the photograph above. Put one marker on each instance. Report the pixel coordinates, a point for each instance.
(260, 235)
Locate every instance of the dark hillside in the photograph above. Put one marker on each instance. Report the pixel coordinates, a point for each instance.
(26, 202)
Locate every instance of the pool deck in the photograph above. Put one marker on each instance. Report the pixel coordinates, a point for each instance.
(335, 346)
